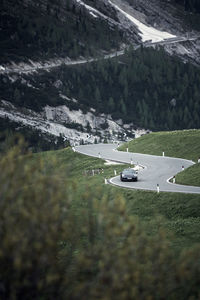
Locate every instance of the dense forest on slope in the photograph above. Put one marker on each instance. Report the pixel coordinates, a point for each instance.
(190, 5)
(36, 141)
(47, 29)
(146, 87)
(184, 12)
(193, 9)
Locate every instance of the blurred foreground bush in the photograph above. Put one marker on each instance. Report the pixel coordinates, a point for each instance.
(34, 220)
(53, 249)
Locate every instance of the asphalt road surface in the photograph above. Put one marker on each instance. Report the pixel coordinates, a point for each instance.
(157, 169)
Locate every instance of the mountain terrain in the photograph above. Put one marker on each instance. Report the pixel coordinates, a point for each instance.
(88, 71)
(75, 72)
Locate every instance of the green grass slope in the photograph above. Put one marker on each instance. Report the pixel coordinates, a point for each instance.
(183, 144)
(79, 167)
(73, 237)
(190, 176)
(177, 214)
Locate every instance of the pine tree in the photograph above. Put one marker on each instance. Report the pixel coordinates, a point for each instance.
(97, 97)
(111, 104)
(123, 107)
(17, 96)
(186, 117)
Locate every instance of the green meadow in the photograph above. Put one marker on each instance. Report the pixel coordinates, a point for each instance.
(175, 213)
(65, 234)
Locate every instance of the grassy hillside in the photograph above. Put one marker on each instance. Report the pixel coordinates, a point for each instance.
(79, 167)
(177, 214)
(68, 234)
(190, 176)
(183, 144)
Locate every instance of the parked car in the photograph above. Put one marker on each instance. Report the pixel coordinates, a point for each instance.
(128, 175)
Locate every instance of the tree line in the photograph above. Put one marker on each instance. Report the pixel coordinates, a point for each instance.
(190, 5)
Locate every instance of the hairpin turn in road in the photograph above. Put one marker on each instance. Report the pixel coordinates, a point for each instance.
(157, 169)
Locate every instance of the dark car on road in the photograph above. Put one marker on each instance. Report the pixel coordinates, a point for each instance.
(128, 175)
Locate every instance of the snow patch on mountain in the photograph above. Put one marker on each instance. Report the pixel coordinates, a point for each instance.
(90, 8)
(67, 98)
(146, 32)
(92, 14)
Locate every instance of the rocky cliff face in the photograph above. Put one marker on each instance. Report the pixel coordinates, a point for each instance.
(72, 125)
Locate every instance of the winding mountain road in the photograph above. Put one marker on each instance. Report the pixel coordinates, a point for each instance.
(149, 35)
(24, 68)
(157, 169)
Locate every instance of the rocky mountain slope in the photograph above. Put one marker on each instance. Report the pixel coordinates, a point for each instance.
(38, 37)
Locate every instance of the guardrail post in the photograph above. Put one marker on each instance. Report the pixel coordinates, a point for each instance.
(158, 188)
(163, 154)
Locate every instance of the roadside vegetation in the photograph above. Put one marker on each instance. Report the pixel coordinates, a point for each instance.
(66, 235)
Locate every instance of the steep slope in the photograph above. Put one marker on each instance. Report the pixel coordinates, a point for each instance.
(181, 143)
(145, 88)
(166, 16)
(46, 29)
(142, 88)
